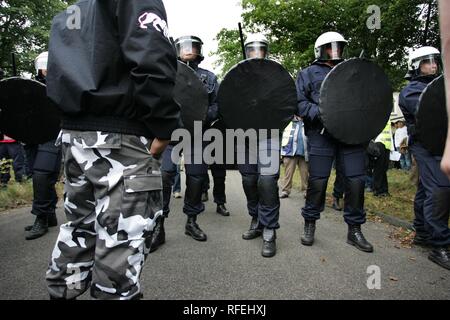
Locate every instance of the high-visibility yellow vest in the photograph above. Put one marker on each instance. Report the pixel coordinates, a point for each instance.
(385, 137)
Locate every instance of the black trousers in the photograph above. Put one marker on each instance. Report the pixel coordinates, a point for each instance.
(381, 166)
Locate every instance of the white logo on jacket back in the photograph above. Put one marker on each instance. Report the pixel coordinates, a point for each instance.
(151, 18)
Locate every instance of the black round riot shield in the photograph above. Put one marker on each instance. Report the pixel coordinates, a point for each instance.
(27, 115)
(432, 118)
(258, 94)
(192, 95)
(356, 101)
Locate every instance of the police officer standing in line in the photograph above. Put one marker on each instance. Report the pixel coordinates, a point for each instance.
(323, 148)
(189, 50)
(44, 163)
(432, 204)
(168, 173)
(116, 96)
(261, 187)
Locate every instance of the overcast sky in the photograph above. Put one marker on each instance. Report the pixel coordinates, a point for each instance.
(203, 18)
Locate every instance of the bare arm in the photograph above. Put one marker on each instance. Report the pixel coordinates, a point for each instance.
(444, 11)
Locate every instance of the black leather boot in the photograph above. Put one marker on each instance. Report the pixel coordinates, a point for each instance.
(336, 204)
(52, 222)
(40, 227)
(254, 231)
(308, 236)
(440, 256)
(222, 210)
(193, 230)
(269, 248)
(159, 235)
(356, 238)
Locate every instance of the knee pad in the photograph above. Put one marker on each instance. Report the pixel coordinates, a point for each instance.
(268, 190)
(44, 187)
(194, 188)
(317, 190)
(48, 159)
(441, 205)
(355, 192)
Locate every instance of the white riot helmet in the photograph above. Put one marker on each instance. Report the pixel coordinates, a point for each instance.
(40, 63)
(256, 46)
(189, 47)
(424, 55)
(330, 47)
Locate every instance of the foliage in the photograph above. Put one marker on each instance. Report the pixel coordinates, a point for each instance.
(24, 29)
(293, 26)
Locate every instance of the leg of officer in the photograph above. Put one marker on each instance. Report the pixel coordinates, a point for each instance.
(422, 236)
(205, 189)
(168, 173)
(354, 165)
(195, 179)
(249, 173)
(321, 154)
(436, 205)
(46, 169)
(219, 173)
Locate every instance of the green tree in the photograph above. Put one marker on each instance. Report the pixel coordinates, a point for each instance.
(24, 29)
(292, 27)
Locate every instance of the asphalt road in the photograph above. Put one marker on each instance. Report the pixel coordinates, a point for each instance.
(227, 267)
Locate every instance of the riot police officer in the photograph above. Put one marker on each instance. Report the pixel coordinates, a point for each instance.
(189, 50)
(431, 205)
(44, 162)
(261, 185)
(323, 148)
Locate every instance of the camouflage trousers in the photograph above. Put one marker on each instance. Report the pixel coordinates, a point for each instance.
(112, 200)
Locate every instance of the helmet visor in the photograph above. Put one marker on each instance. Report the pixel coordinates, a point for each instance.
(333, 51)
(429, 65)
(189, 49)
(256, 50)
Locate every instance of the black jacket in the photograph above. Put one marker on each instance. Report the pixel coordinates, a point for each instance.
(116, 71)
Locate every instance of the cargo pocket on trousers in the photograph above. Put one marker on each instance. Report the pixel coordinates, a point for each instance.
(142, 196)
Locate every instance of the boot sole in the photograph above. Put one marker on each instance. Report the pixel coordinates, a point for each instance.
(198, 239)
(223, 214)
(269, 255)
(358, 247)
(307, 243)
(439, 263)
